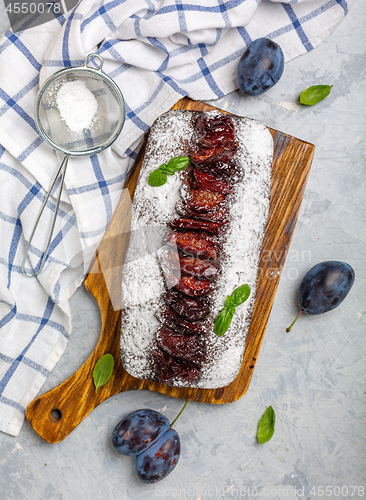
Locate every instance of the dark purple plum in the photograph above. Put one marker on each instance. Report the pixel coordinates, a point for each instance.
(260, 67)
(139, 430)
(324, 287)
(148, 435)
(155, 463)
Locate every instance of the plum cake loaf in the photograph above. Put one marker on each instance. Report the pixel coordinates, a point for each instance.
(194, 240)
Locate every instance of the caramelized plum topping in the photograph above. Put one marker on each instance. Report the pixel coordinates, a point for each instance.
(169, 318)
(220, 216)
(194, 243)
(170, 265)
(211, 227)
(194, 287)
(203, 200)
(213, 131)
(211, 183)
(200, 268)
(210, 155)
(186, 347)
(226, 156)
(190, 308)
(169, 368)
(227, 171)
(175, 265)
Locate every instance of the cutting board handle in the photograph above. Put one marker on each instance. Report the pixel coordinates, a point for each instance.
(55, 414)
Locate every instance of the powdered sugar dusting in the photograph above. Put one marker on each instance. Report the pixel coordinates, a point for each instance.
(143, 282)
(77, 105)
(170, 136)
(248, 212)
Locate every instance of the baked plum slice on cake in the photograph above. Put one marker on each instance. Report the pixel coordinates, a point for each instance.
(169, 369)
(211, 183)
(214, 148)
(177, 264)
(211, 155)
(220, 216)
(195, 243)
(185, 347)
(214, 130)
(189, 308)
(225, 169)
(203, 200)
(194, 287)
(211, 227)
(169, 318)
(200, 268)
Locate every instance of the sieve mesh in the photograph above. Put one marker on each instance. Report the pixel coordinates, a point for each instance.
(105, 124)
(105, 127)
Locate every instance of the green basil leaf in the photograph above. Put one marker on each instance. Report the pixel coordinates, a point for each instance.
(223, 321)
(229, 301)
(179, 163)
(103, 370)
(166, 169)
(157, 178)
(266, 426)
(240, 295)
(232, 301)
(232, 310)
(314, 94)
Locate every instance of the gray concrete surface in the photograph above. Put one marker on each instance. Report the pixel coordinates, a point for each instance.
(313, 377)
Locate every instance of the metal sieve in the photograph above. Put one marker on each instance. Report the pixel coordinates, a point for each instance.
(102, 132)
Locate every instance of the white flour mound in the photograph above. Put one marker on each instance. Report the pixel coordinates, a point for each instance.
(153, 207)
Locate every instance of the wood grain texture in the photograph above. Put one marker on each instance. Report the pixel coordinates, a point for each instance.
(75, 398)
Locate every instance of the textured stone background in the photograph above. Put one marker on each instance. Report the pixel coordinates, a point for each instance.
(313, 377)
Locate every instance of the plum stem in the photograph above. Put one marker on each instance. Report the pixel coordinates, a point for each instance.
(179, 414)
(294, 321)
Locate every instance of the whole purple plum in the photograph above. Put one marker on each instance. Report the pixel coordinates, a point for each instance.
(155, 463)
(148, 435)
(260, 67)
(139, 430)
(324, 287)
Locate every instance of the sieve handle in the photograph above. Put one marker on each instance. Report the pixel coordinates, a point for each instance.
(98, 57)
(62, 168)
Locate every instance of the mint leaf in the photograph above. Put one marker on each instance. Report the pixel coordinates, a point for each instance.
(314, 94)
(157, 178)
(103, 370)
(266, 426)
(223, 321)
(240, 295)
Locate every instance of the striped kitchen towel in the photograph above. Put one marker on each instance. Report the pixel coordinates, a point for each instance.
(157, 51)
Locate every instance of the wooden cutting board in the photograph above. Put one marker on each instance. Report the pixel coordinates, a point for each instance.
(55, 414)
